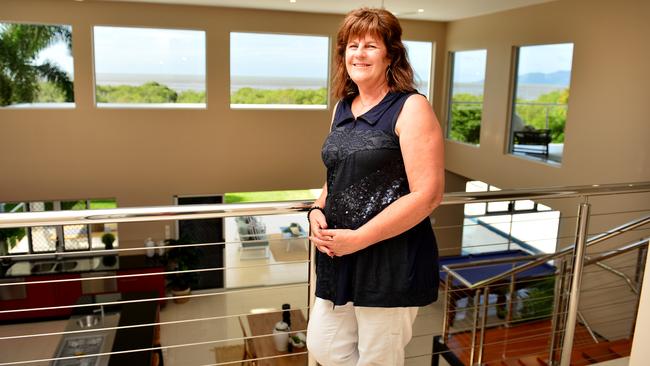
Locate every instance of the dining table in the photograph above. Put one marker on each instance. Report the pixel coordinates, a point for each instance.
(261, 327)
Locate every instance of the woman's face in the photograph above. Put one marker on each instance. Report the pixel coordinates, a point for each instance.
(366, 60)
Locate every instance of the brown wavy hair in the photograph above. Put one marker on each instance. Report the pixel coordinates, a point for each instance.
(380, 24)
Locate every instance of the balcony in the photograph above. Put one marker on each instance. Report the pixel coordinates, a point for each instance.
(214, 326)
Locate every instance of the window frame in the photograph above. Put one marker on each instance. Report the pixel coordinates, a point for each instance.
(451, 57)
(59, 246)
(514, 82)
(64, 106)
(281, 107)
(147, 106)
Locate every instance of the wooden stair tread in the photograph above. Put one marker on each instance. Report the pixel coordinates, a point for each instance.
(622, 347)
(521, 353)
(531, 361)
(598, 352)
(578, 359)
(503, 345)
(510, 362)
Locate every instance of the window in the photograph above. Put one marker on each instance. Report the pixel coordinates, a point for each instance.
(44, 239)
(278, 71)
(466, 96)
(146, 67)
(420, 56)
(270, 239)
(508, 225)
(540, 101)
(36, 66)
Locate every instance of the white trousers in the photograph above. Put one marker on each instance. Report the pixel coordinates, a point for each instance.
(351, 335)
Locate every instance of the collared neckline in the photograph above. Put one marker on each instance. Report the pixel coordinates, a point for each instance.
(371, 116)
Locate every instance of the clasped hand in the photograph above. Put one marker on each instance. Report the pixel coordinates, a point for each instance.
(333, 242)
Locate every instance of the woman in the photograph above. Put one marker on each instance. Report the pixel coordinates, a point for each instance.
(377, 257)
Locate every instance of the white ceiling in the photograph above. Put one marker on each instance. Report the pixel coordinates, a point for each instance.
(440, 10)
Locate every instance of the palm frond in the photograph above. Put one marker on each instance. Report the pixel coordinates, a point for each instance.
(58, 77)
(20, 45)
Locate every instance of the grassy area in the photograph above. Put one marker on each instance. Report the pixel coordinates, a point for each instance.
(268, 196)
(100, 204)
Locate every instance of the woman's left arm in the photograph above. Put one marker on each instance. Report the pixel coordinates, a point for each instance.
(423, 153)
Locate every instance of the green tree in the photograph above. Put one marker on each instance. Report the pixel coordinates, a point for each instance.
(150, 92)
(279, 96)
(20, 76)
(49, 93)
(554, 109)
(466, 113)
(191, 96)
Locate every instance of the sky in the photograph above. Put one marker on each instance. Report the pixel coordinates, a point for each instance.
(470, 65)
(182, 52)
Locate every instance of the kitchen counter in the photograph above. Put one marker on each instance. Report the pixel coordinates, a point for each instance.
(136, 313)
(57, 284)
(99, 340)
(51, 266)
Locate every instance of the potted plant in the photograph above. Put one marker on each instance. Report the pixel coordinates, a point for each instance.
(108, 239)
(537, 300)
(298, 340)
(181, 258)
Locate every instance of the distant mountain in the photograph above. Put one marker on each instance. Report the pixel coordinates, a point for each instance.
(561, 78)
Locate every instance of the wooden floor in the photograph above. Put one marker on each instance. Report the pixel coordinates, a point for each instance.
(527, 345)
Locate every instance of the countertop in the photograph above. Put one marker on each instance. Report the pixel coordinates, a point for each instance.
(145, 312)
(23, 268)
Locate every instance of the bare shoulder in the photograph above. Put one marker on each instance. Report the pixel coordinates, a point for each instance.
(417, 101)
(416, 113)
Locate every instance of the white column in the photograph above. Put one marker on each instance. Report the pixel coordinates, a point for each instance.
(640, 350)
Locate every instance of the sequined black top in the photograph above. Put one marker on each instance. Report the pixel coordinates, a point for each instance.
(365, 174)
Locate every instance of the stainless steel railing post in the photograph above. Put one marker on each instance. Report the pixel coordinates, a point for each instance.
(558, 312)
(477, 300)
(578, 258)
(511, 299)
(446, 316)
(486, 298)
(311, 293)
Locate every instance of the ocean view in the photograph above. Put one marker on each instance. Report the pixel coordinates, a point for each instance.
(182, 83)
(524, 91)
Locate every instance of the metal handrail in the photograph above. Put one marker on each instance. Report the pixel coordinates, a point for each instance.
(188, 212)
(614, 253)
(451, 268)
(624, 249)
(152, 213)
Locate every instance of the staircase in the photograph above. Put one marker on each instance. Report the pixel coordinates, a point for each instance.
(527, 345)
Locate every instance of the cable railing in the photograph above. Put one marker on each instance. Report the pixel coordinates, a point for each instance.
(166, 213)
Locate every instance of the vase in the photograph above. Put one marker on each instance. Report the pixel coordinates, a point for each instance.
(281, 336)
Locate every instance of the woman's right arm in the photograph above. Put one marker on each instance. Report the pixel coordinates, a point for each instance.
(317, 221)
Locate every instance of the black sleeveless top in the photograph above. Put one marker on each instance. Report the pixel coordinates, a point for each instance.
(365, 174)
